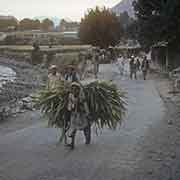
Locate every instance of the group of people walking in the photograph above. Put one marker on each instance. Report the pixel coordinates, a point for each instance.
(132, 66)
(136, 65)
(77, 116)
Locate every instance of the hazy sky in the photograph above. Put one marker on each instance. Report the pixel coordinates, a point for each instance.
(73, 9)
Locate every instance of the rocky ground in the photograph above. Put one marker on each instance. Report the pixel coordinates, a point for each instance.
(15, 102)
(15, 97)
(28, 79)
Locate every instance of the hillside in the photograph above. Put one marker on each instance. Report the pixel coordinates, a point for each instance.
(124, 5)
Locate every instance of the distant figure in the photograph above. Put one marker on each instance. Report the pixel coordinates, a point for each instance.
(96, 64)
(121, 64)
(67, 75)
(133, 68)
(53, 78)
(102, 56)
(138, 65)
(82, 65)
(36, 55)
(71, 75)
(112, 54)
(145, 67)
(108, 56)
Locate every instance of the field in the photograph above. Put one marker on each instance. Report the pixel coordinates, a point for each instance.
(57, 49)
(61, 55)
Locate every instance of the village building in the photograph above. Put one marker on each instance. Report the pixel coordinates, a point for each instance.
(68, 26)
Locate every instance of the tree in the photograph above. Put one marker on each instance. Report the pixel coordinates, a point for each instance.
(62, 25)
(100, 27)
(7, 23)
(29, 24)
(36, 24)
(47, 24)
(36, 55)
(158, 20)
(25, 24)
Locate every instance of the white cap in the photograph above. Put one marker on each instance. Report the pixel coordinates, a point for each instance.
(53, 67)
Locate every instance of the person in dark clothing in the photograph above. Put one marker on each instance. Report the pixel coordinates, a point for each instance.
(145, 67)
(133, 68)
(77, 115)
(138, 65)
(96, 63)
(71, 75)
(74, 75)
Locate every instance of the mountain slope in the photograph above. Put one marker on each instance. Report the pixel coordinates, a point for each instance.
(124, 5)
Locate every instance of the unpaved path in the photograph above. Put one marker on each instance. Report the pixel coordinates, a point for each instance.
(33, 153)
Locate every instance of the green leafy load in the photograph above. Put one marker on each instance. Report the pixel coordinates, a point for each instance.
(106, 104)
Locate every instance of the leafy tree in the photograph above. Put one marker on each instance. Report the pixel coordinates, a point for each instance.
(158, 20)
(36, 24)
(29, 24)
(6, 23)
(25, 24)
(100, 27)
(62, 24)
(36, 55)
(47, 24)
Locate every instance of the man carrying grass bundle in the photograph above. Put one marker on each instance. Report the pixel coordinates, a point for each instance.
(77, 117)
(74, 106)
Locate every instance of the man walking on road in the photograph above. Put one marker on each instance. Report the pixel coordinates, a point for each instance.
(120, 63)
(145, 67)
(138, 64)
(78, 115)
(133, 69)
(96, 63)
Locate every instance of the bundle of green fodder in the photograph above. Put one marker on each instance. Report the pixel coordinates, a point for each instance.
(53, 103)
(107, 105)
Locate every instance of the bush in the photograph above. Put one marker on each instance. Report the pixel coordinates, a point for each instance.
(37, 55)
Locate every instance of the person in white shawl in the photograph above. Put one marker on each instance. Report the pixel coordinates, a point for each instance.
(53, 78)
